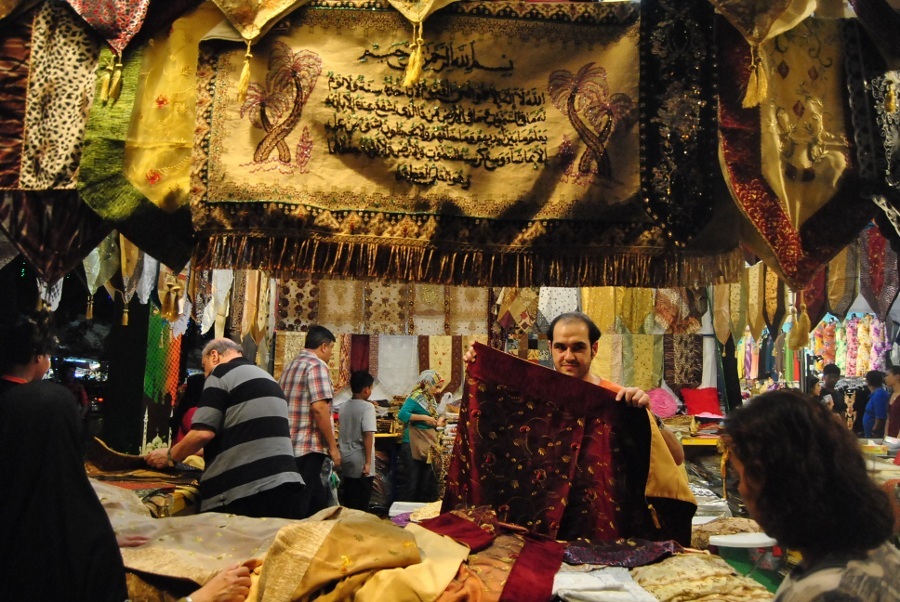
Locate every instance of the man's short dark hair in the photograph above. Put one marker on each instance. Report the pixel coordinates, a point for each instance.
(359, 380)
(26, 337)
(318, 336)
(575, 316)
(874, 378)
(831, 369)
(895, 370)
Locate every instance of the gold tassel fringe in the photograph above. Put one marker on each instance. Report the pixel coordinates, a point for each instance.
(115, 86)
(89, 312)
(244, 81)
(125, 316)
(416, 60)
(758, 84)
(464, 266)
(798, 338)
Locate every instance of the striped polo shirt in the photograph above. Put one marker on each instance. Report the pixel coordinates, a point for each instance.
(252, 451)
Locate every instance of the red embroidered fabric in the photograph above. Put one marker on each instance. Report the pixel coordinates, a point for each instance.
(531, 578)
(461, 530)
(554, 454)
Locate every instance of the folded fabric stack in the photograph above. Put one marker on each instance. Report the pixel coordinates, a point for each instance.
(697, 577)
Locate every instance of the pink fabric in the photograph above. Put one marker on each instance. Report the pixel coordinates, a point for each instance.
(662, 403)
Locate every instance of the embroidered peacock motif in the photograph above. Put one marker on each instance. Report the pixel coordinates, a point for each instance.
(595, 114)
(289, 82)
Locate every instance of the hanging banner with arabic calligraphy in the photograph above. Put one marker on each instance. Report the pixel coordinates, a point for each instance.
(514, 159)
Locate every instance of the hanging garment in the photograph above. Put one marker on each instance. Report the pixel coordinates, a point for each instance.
(603, 477)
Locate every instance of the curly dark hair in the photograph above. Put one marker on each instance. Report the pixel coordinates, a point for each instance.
(814, 491)
(26, 337)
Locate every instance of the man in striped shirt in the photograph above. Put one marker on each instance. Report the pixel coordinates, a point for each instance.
(242, 426)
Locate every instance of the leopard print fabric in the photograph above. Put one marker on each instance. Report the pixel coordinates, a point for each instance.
(60, 90)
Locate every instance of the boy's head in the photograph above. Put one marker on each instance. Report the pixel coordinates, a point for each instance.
(361, 384)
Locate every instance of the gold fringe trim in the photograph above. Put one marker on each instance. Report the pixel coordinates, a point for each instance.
(244, 81)
(89, 311)
(105, 78)
(465, 267)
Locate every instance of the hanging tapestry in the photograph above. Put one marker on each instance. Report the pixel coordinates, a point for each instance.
(677, 100)
(429, 310)
(553, 301)
(236, 304)
(673, 311)
(341, 305)
(608, 361)
(756, 299)
(879, 281)
(423, 173)
(517, 310)
(468, 310)
(289, 344)
(443, 354)
(48, 57)
(805, 151)
(387, 308)
(200, 293)
(872, 92)
(739, 294)
(298, 303)
(683, 360)
(842, 277)
(721, 312)
(775, 307)
(634, 308)
(398, 365)
(558, 456)
(373, 355)
(646, 361)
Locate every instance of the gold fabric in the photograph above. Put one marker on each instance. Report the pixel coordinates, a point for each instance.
(697, 576)
(160, 137)
(721, 312)
(842, 280)
(739, 300)
(467, 310)
(308, 556)
(341, 305)
(633, 307)
(804, 138)
(387, 308)
(760, 20)
(648, 361)
(755, 300)
(599, 303)
(429, 309)
(440, 357)
(665, 479)
(289, 344)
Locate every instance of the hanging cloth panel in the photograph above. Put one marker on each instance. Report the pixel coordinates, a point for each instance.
(814, 297)
(739, 295)
(775, 309)
(842, 280)
(722, 312)
(599, 304)
(791, 236)
(756, 299)
(387, 308)
(879, 281)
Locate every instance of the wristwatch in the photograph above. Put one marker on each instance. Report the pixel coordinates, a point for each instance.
(169, 460)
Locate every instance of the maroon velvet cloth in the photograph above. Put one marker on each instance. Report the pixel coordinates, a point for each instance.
(531, 578)
(460, 530)
(359, 352)
(551, 453)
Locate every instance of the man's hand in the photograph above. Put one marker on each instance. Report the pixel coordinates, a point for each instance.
(366, 469)
(158, 458)
(470, 355)
(634, 397)
(335, 454)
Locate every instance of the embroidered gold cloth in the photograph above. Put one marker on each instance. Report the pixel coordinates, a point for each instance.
(842, 281)
(520, 138)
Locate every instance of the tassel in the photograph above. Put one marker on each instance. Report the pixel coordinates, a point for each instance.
(115, 86)
(799, 335)
(654, 516)
(244, 81)
(89, 312)
(414, 66)
(125, 316)
(758, 84)
(104, 83)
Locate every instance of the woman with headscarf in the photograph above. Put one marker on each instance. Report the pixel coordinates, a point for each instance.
(420, 437)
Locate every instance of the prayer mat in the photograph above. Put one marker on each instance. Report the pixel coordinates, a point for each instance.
(548, 452)
(794, 236)
(423, 172)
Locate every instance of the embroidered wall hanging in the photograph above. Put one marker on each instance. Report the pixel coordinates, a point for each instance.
(365, 177)
(790, 237)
